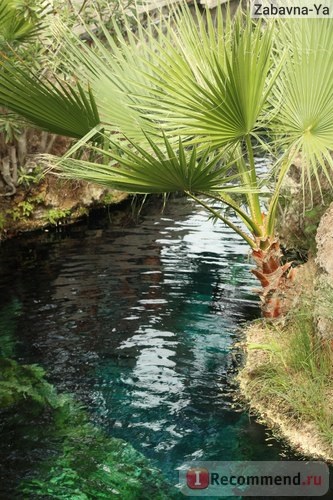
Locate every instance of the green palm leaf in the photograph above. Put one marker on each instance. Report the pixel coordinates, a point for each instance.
(162, 170)
(115, 75)
(14, 27)
(207, 83)
(303, 94)
(217, 99)
(219, 85)
(59, 109)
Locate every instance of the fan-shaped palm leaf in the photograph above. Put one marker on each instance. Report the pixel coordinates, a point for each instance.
(303, 94)
(162, 170)
(59, 109)
(216, 100)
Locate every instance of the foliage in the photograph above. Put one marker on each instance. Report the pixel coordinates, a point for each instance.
(163, 171)
(20, 21)
(26, 208)
(90, 12)
(299, 373)
(2, 222)
(186, 103)
(23, 209)
(54, 215)
(218, 87)
(9, 127)
(75, 458)
(84, 462)
(27, 178)
(19, 382)
(108, 198)
(94, 466)
(75, 116)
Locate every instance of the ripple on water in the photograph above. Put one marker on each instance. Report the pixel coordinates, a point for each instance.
(138, 322)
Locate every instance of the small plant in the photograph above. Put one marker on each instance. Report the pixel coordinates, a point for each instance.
(27, 177)
(24, 209)
(14, 214)
(55, 215)
(37, 200)
(80, 212)
(108, 199)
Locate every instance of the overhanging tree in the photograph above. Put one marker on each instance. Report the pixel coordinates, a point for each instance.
(187, 104)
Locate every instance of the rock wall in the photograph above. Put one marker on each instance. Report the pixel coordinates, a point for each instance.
(324, 279)
(52, 201)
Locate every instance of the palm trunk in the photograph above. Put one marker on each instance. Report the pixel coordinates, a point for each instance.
(276, 278)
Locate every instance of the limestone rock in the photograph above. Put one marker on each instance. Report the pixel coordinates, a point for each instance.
(324, 240)
(324, 282)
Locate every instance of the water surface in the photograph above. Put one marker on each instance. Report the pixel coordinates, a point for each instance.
(139, 321)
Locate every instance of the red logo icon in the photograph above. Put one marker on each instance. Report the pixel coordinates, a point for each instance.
(197, 478)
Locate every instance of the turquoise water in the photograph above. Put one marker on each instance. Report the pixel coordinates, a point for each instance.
(138, 321)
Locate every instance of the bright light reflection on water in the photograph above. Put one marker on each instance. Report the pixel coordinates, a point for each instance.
(139, 321)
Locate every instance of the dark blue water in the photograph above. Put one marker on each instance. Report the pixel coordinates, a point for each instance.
(139, 322)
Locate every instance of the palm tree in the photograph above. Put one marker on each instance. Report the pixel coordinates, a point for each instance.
(187, 103)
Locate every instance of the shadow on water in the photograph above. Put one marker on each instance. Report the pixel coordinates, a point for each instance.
(139, 321)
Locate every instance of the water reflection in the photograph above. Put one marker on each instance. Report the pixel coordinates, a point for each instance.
(138, 321)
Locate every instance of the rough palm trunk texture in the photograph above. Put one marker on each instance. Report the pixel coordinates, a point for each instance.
(275, 278)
